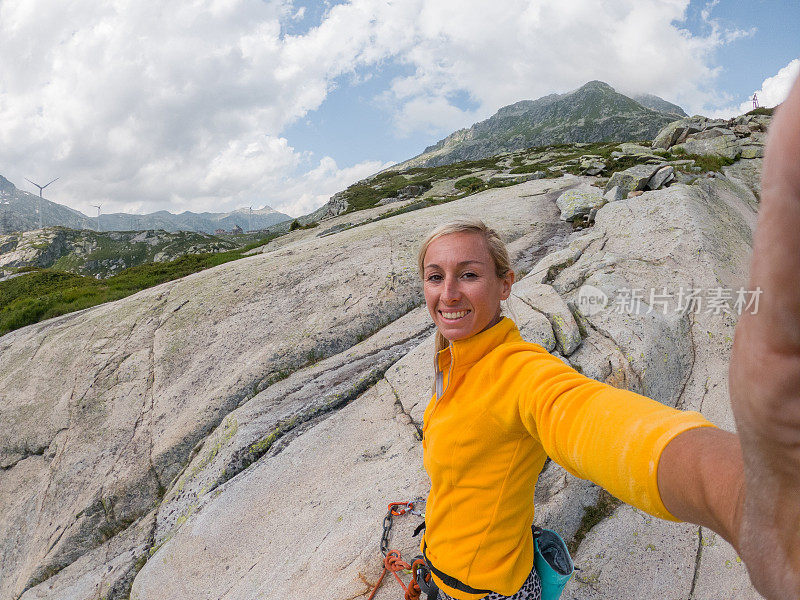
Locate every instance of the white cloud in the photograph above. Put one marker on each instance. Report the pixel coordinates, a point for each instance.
(184, 105)
(311, 190)
(153, 105)
(526, 50)
(775, 89)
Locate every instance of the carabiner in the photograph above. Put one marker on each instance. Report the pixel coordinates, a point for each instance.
(406, 507)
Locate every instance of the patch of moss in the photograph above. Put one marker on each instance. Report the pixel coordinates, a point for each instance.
(592, 515)
(710, 162)
(367, 193)
(259, 448)
(229, 429)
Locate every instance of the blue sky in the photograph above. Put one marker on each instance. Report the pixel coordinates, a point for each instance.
(746, 62)
(218, 104)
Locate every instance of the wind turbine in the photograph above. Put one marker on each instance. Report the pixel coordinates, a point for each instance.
(41, 188)
(97, 206)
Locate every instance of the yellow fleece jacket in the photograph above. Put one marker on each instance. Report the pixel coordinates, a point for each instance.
(502, 407)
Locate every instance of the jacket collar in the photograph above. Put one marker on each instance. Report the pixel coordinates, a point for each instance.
(472, 349)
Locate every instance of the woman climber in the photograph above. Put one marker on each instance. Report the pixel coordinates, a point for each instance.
(502, 405)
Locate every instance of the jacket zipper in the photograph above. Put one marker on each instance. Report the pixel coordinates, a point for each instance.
(439, 377)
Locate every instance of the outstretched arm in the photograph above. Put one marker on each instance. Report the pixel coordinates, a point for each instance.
(747, 487)
(765, 371)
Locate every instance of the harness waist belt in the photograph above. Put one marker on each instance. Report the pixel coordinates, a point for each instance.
(449, 580)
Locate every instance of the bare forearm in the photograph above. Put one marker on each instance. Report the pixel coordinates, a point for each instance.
(700, 479)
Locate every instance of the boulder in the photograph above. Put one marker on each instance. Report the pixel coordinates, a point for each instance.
(579, 201)
(632, 179)
(752, 150)
(661, 177)
(337, 205)
(592, 165)
(724, 145)
(634, 149)
(711, 133)
(668, 136)
(613, 194)
(747, 172)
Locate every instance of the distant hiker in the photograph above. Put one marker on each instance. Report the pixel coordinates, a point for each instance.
(501, 406)
(755, 101)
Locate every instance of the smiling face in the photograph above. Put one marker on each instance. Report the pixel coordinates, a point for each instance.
(462, 289)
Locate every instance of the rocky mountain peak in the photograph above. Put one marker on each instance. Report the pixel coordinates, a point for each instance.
(596, 84)
(595, 112)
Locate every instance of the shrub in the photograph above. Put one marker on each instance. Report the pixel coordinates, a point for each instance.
(470, 184)
(761, 110)
(296, 225)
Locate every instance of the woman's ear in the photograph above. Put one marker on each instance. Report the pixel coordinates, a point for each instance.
(508, 281)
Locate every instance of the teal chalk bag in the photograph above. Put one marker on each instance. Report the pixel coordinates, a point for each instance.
(552, 562)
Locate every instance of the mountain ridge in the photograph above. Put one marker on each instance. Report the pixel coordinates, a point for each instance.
(21, 214)
(594, 112)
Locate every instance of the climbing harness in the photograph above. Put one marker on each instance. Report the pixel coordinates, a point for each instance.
(392, 562)
(551, 561)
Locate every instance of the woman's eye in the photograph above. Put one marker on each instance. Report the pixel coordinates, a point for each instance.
(434, 277)
(469, 275)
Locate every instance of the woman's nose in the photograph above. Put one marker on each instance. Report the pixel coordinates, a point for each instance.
(451, 292)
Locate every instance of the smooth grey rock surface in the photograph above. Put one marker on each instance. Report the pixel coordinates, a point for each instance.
(726, 146)
(632, 179)
(579, 201)
(266, 422)
(543, 298)
(152, 386)
(308, 522)
(614, 193)
(139, 384)
(660, 177)
(106, 572)
(634, 555)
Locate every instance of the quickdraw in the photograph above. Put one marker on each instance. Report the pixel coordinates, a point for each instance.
(395, 510)
(393, 562)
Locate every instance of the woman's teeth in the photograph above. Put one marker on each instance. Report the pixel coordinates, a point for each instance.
(454, 315)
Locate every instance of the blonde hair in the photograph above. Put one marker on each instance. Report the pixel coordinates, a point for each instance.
(497, 250)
